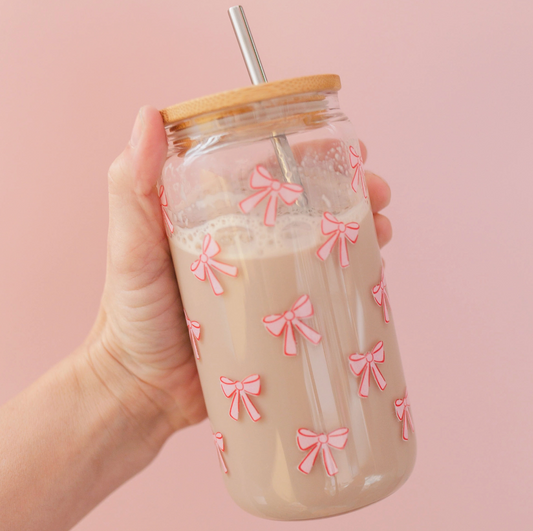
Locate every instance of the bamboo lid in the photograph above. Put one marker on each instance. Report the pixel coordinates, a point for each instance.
(252, 94)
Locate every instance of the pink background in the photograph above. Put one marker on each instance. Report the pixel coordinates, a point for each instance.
(440, 91)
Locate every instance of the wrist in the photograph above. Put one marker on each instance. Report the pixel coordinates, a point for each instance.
(125, 404)
(70, 439)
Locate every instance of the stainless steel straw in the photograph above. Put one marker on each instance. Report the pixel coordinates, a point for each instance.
(285, 157)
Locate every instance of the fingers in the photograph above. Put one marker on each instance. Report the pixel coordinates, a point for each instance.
(135, 221)
(383, 229)
(380, 194)
(378, 190)
(138, 167)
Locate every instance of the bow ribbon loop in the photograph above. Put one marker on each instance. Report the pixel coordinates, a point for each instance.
(308, 439)
(219, 445)
(194, 334)
(240, 391)
(356, 162)
(277, 323)
(268, 186)
(363, 364)
(164, 203)
(381, 296)
(339, 231)
(403, 412)
(202, 268)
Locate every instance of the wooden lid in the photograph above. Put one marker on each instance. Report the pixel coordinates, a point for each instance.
(252, 94)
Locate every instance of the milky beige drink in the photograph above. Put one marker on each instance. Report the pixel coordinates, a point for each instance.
(311, 427)
(273, 241)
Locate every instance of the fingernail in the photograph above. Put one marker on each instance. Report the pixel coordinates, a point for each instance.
(137, 129)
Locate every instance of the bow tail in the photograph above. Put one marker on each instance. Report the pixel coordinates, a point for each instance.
(385, 300)
(343, 251)
(377, 293)
(359, 177)
(248, 204)
(221, 459)
(167, 220)
(309, 460)
(355, 179)
(405, 428)
(365, 382)
(363, 180)
(289, 347)
(234, 408)
(325, 250)
(329, 462)
(163, 196)
(194, 345)
(252, 411)
(307, 332)
(408, 415)
(380, 379)
(270, 212)
(223, 268)
(213, 280)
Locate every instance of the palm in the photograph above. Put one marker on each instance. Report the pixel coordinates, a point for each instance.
(146, 321)
(144, 326)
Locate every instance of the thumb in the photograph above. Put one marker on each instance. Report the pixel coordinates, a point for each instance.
(136, 227)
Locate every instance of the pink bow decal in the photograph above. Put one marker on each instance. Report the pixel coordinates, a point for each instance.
(339, 231)
(164, 203)
(403, 412)
(301, 309)
(194, 334)
(364, 363)
(250, 385)
(379, 292)
(202, 267)
(219, 444)
(356, 162)
(268, 186)
(307, 439)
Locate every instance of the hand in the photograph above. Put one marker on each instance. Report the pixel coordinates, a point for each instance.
(141, 326)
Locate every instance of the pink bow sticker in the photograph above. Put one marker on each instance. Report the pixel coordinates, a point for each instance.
(164, 203)
(219, 444)
(364, 363)
(268, 186)
(202, 267)
(277, 323)
(308, 439)
(339, 231)
(379, 292)
(241, 390)
(194, 334)
(356, 162)
(403, 412)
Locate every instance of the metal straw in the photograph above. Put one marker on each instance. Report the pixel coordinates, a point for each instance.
(285, 157)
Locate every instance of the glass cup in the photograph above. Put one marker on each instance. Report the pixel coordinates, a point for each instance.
(284, 292)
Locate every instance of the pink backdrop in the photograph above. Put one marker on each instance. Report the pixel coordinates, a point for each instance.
(440, 92)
